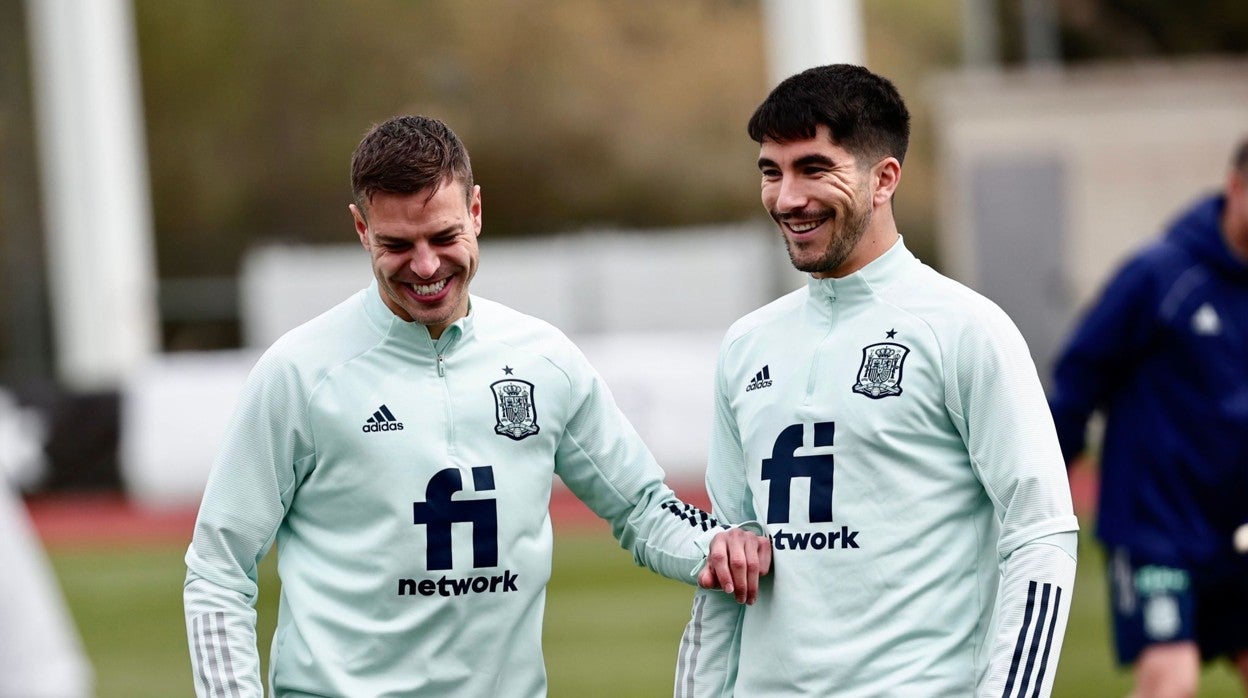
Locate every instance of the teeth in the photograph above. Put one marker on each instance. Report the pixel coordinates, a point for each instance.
(429, 289)
(804, 227)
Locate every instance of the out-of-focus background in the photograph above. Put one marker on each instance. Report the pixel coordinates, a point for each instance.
(173, 192)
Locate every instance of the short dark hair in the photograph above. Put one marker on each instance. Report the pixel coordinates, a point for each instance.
(1239, 160)
(405, 155)
(863, 111)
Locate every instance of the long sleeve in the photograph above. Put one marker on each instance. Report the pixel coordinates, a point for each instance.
(252, 481)
(1100, 353)
(890, 428)
(604, 462)
(999, 407)
(709, 648)
(1033, 605)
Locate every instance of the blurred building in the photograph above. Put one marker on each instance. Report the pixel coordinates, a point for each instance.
(1048, 179)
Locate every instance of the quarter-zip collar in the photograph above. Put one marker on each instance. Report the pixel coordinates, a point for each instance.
(862, 284)
(414, 335)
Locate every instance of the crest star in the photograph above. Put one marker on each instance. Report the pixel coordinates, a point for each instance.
(891, 333)
(508, 370)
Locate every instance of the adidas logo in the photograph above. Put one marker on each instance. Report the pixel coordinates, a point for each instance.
(382, 420)
(762, 379)
(1206, 321)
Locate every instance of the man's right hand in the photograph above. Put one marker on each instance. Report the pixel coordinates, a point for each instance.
(736, 561)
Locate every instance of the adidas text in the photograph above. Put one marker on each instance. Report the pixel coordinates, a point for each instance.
(818, 540)
(451, 586)
(757, 384)
(384, 426)
(382, 420)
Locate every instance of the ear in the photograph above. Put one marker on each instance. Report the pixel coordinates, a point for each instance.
(1236, 182)
(474, 209)
(886, 175)
(361, 226)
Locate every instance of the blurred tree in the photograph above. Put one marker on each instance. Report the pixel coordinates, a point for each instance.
(1095, 30)
(576, 113)
(24, 331)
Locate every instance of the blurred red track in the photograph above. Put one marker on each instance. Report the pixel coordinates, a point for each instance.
(109, 520)
(106, 519)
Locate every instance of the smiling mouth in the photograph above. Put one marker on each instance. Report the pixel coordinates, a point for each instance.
(432, 289)
(804, 226)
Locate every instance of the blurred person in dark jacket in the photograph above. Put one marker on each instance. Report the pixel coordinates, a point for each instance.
(1164, 354)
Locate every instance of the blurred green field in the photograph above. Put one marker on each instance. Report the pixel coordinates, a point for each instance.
(611, 628)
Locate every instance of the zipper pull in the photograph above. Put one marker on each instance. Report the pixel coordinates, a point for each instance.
(441, 366)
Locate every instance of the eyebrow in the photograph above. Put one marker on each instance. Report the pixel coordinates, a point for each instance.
(804, 161)
(384, 238)
(449, 230)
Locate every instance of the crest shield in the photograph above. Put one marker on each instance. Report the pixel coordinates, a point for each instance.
(514, 409)
(879, 376)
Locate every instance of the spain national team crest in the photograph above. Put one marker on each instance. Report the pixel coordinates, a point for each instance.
(514, 407)
(879, 376)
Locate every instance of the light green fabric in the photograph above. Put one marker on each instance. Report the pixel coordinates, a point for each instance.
(315, 460)
(917, 404)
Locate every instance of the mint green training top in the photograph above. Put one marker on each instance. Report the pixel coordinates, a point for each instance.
(407, 485)
(890, 430)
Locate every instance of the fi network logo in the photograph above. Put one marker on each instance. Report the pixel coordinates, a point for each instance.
(437, 514)
(784, 466)
(439, 511)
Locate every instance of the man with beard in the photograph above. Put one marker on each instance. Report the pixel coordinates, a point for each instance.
(888, 426)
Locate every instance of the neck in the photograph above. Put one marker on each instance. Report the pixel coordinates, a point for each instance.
(1235, 234)
(880, 236)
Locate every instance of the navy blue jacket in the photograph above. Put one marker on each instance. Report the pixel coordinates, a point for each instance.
(1164, 353)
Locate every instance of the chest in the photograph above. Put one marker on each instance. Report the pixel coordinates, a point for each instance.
(1204, 315)
(1200, 338)
(390, 429)
(846, 420)
(876, 377)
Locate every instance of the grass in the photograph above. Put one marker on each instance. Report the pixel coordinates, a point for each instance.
(611, 629)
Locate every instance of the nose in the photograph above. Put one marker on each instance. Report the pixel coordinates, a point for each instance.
(790, 195)
(424, 262)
